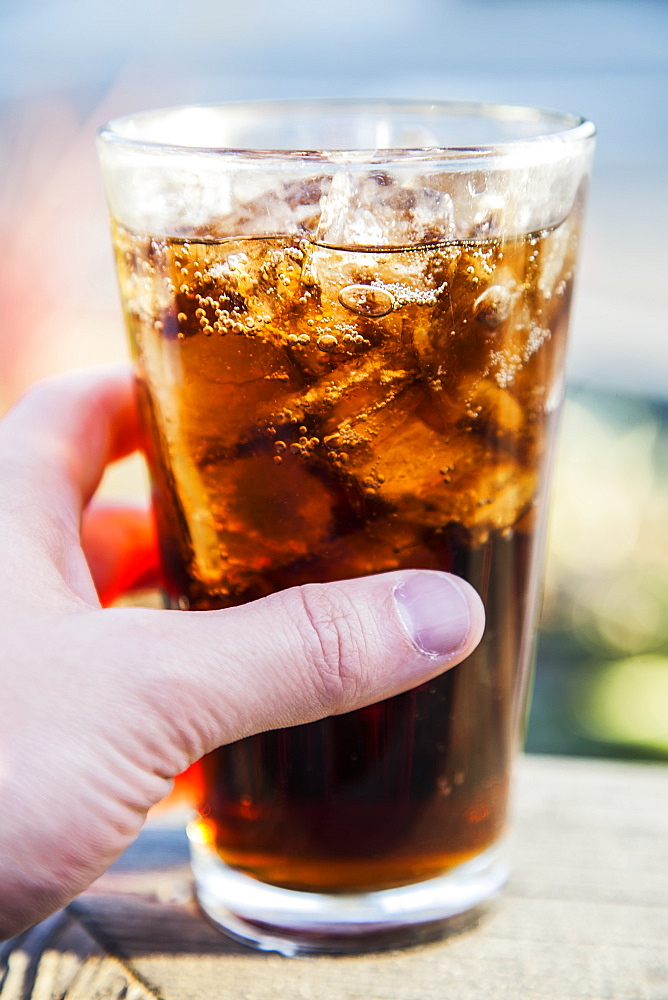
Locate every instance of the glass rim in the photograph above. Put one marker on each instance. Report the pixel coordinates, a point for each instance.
(571, 129)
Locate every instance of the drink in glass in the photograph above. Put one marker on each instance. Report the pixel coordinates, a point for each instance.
(350, 360)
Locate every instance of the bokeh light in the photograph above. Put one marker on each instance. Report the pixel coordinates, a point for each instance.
(602, 677)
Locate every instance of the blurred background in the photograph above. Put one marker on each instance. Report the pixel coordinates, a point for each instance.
(68, 65)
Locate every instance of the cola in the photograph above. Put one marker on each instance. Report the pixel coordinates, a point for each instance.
(317, 412)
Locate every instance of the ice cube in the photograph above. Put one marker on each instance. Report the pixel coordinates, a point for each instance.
(434, 475)
(345, 398)
(497, 410)
(557, 258)
(267, 514)
(289, 208)
(374, 209)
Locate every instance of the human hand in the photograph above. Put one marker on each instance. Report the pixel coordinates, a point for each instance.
(102, 707)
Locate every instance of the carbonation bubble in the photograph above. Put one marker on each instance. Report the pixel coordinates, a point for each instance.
(492, 307)
(327, 342)
(366, 300)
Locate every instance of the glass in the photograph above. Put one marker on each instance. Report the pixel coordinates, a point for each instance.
(348, 322)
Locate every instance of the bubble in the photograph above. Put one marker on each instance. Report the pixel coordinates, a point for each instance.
(407, 295)
(366, 300)
(327, 342)
(373, 481)
(444, 786)
(504, 378)
(492, 307)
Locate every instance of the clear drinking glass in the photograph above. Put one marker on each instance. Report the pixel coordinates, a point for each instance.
(348, 322)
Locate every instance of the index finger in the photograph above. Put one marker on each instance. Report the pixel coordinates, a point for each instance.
(54, 446)
(67, 428)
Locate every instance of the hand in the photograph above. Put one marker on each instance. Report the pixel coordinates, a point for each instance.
(101, 708)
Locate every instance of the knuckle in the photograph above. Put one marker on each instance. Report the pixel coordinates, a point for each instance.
(335, 643)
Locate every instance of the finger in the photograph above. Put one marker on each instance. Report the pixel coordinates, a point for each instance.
(121, 549)
(67, 428)
(54, 446)
(209, 678)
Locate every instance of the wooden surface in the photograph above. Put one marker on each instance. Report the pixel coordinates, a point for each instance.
(585, 916)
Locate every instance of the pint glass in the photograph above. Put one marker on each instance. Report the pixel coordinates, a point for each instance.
(348, 322)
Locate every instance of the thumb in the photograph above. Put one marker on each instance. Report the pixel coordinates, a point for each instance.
(212, 677)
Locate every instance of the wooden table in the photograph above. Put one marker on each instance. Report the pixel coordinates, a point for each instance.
(585, 915)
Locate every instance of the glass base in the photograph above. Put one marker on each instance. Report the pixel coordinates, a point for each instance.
(292, 922)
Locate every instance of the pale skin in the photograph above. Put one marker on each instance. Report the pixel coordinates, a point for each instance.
(100, 708)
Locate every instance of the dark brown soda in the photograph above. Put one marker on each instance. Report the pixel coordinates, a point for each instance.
(314, 414)
(394, 793)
